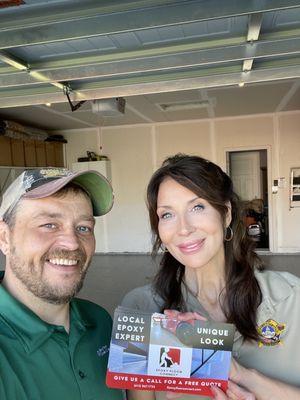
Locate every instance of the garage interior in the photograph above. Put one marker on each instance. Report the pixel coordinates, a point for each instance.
(131, 82)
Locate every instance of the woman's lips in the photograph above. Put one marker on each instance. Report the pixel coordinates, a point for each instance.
(191, 247)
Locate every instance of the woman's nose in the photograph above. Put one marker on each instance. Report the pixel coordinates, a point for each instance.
(186, 227)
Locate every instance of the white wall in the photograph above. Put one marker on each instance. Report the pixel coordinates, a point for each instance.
(130, 151)
(79, 142)
(288, 157)
(136, 151)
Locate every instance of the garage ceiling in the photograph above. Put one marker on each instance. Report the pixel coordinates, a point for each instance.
(171, 60)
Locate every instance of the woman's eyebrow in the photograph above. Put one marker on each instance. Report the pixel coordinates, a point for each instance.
(189, 202)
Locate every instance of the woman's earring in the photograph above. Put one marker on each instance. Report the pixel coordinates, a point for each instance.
(163, 248)
(228, 237)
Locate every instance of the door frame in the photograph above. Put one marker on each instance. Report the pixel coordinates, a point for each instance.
(272, 222)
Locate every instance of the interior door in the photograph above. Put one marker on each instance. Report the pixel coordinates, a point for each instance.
(245, 174)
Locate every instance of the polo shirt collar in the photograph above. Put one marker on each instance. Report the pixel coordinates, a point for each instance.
(78, 317)
(27, 327)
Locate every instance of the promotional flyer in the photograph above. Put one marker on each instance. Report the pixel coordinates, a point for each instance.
(153, 352)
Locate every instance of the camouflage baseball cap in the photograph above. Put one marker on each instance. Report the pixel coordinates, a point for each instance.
(40, 183)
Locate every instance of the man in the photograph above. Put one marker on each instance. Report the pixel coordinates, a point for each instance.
(52, 345)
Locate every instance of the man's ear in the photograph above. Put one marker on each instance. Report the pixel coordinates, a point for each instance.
(4, 238)
(228, 216)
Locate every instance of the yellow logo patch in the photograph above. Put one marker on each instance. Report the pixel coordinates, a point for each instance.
(269, 333)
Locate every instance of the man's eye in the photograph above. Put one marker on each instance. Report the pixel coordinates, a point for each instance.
(198, 207)
(84, 229)
(49, 226)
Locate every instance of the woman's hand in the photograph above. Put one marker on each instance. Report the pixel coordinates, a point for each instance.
(183, 316)
(234, 392)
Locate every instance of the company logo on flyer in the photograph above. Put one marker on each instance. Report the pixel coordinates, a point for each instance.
(169, 357)
(169, 361)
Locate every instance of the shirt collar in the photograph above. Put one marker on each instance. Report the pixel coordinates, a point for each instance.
(27, 327)
(77, 315)
(275, 289)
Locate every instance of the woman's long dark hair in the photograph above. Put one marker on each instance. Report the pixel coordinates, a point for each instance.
(242, 292)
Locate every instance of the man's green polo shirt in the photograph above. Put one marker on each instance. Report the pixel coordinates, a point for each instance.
(39, 361)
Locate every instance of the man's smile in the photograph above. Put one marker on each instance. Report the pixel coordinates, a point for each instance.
(62, 261)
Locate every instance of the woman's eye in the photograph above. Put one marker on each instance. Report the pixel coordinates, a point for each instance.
(84, 229)
(198, 207)
(166, 215)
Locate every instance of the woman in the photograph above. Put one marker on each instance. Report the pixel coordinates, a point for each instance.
(209, 267)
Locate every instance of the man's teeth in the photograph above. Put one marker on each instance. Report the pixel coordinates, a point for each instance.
(62, 261)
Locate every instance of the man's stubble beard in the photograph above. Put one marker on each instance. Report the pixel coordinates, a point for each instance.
(32, 276)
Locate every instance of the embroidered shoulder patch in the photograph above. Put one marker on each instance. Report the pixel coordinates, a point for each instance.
(269, 333)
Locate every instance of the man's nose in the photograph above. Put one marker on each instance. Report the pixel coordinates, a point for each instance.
(68, 239)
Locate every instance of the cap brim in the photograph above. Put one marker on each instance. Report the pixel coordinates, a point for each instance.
(95, 184)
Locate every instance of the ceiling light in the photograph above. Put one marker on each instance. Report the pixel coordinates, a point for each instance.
(247, 65)
(241, 84)
(48, 104)
(187, 105)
